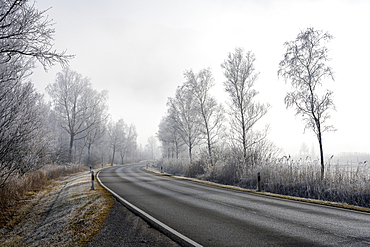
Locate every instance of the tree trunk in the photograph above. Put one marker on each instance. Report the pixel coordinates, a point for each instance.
(190, 155)
(70, 148)
(122, 156)
(319, 137)
(177, 150)
(114, 151)
(209, 145)
(210, 151)
(321, 156)
(244, 139)
(208, 134)
(88, 153)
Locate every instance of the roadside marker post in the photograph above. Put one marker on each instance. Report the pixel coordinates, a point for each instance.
(258, 181)
(92, 180)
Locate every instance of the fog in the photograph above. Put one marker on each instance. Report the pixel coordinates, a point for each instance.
(138, 51)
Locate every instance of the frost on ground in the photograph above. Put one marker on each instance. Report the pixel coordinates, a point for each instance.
(66, 213)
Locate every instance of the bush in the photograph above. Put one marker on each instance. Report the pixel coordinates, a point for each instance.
(176, 167)
(196, 169)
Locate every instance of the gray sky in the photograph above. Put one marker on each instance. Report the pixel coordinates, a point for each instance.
(138, 51)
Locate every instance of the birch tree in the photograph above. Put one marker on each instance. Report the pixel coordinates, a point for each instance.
(78, 105)
(305, 66)
(168, 135)
(211, 113)
(244, 112)
(184, 113)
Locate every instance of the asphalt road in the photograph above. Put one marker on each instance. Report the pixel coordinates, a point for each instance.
(213, 216)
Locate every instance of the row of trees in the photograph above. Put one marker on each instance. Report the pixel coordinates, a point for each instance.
(74, 127)
(195, 118)
(81, 123)
(25, 37)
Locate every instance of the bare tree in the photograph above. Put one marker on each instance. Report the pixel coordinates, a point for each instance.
(304, 65)
(58, 144)
(184, 113)
(94, 134)
(152, 145)
(117, 136)
(128, 149)
(210, 111)
(168, 135)
(78, 105)
(22, 143)
(25, 37)
(244, 111)
(27, 32)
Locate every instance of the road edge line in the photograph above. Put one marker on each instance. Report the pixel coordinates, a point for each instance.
(168, 231)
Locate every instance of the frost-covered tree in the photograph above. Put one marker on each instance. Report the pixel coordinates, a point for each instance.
(26, 36)
(305, 66)
(94, 135)
(244, 112)
(131, 147)
(58, 139)
(22, 143)
(79, 107)
(27, 32)
(210, 112)
(168, 135)
(184, 113)
(117, 136)
(152, 146)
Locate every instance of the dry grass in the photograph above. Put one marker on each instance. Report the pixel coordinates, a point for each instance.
(320, 202)
(64, 213)
(19, 187)
(345, 184)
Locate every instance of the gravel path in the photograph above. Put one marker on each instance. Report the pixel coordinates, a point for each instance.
(124, 228)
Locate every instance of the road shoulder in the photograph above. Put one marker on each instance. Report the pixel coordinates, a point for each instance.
(124, 228)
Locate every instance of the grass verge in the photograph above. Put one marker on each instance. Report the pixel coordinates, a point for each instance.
(66, 212)
(320, 202)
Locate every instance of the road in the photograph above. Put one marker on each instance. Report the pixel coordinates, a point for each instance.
(214, 216)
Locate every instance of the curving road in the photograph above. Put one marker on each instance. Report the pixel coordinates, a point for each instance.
(213, 216)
